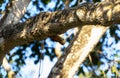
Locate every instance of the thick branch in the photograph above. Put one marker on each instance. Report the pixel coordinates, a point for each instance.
(77, 51)
(14, 12)
(52, 23)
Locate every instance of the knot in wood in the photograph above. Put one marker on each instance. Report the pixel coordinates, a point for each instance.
(81, 14)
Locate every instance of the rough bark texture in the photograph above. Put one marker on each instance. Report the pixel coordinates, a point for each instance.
(82, 44)
(15, 10)
(48, 24)
(13, 13)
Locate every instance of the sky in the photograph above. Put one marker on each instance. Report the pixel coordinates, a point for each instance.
(31, 70)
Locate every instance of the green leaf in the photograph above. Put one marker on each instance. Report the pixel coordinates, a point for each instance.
(45, 1)
(1, 1)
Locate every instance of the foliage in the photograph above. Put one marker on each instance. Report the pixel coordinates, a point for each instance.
(1, 1)
(93, 65)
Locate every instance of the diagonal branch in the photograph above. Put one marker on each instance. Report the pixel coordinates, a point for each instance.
(82, 44)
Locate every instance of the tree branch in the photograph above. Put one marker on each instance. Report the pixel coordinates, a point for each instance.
(15, 10)
(13, 13)
(82, 44)
(53, 23)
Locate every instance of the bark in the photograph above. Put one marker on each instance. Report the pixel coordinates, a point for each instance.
(48, 24)
(13, 13)
(73, 56)
(77, 51)
(15, 10)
